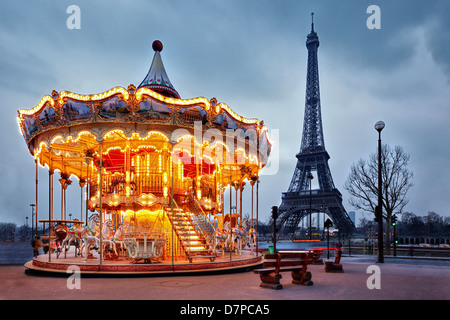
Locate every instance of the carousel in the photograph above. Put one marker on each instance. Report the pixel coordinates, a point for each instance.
(159, 177)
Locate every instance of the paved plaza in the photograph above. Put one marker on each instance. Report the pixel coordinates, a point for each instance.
(399, 279)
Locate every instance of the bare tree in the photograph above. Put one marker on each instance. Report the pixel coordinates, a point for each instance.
(362, 184)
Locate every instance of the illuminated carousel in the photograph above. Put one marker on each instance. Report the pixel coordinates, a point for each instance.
(153, 170)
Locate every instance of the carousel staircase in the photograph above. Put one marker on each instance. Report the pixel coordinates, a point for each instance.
(191, 238)
(202, 221)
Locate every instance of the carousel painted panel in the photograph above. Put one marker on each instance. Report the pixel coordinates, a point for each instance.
(152, 109)
(113, 108)
(30, 125)
(225, 121)
(265, 147)
(47, 116)
(76, 110)
(191, 114)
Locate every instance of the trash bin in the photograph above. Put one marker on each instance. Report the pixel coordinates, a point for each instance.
(271, 249)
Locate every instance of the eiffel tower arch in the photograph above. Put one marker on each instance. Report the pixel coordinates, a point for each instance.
(299, 201)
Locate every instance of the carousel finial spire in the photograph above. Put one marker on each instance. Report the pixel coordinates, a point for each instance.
(157, 79)
(157, 46)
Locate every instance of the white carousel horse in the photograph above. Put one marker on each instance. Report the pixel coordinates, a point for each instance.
(77, 234)
(222, 237)
(90, 238)
(107, 236)
(239, 234)
(118, 238)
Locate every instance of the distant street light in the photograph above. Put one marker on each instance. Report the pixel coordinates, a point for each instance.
(379, 126)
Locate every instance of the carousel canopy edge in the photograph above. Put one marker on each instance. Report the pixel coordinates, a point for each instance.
(120, 105)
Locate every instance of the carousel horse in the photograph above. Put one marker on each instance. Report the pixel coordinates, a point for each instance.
(107, 236)
(239, 234)
(251, 238)
(222, 237)
(60, 234)
(89, 236)
(118, 238)
(75, 233)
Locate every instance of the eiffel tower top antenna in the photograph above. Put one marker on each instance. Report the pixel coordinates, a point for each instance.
(312, 137)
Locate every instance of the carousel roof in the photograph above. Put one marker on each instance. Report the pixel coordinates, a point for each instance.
(156, 78)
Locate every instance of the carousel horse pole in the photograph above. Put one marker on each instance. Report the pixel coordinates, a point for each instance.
(222, 237)
(107, 235)
(252, 238)
(118, 238)
(239, 233)
(61, 234)
(89, 234)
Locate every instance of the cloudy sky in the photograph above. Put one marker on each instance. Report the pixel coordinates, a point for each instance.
(251, 55)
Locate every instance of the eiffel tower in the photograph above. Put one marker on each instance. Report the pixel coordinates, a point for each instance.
(300, 200)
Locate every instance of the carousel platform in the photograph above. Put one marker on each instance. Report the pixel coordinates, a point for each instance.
(126, 266)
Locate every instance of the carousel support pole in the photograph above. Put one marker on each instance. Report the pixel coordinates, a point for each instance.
(222, 195)
(231, 212)
(50, 206)
(36, 201)
(81, 182)
(81, 201)
(172, 142)
(236, 187)
(252, 227)
(257, 211)
(62, 201)
(231, 187)
(257, 193)
(251, 220)
(65, 206)
(87, 188)
(241, 188)
(100, 202)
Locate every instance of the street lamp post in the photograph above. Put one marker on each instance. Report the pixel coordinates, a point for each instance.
(26, 229)
(379, 126)
(310, 177)
(32, 219)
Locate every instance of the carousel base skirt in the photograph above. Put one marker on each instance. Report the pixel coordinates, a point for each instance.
(126, 266)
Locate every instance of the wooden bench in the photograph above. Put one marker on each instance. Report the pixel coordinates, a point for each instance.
(314, 256)
(295, 262)
(334, 266)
